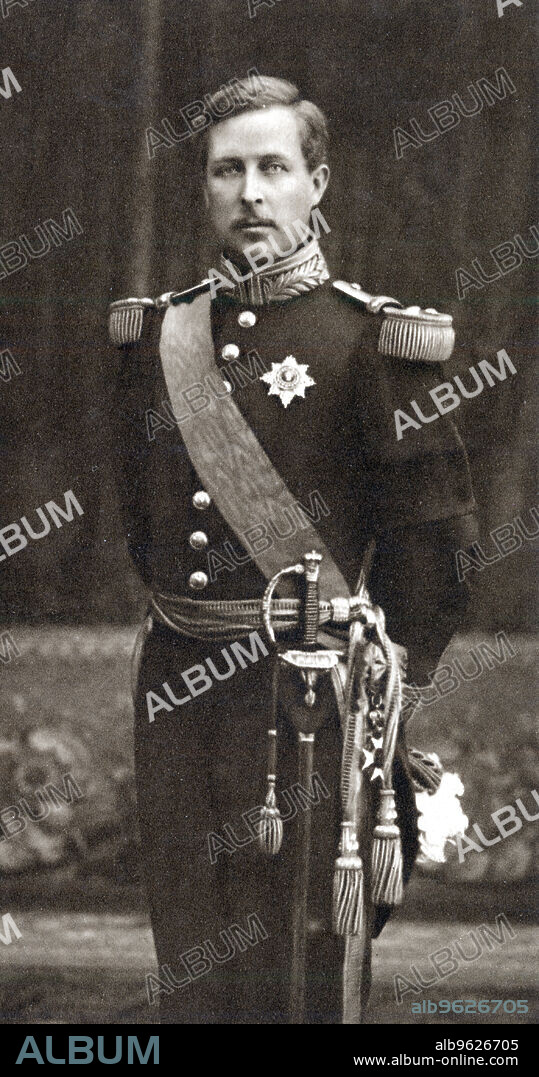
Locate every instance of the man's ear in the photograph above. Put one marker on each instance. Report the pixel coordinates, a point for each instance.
(320, 180)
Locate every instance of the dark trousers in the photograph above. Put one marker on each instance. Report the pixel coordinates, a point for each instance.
(220, 909)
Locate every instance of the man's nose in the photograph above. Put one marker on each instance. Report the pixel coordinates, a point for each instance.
(251, 192)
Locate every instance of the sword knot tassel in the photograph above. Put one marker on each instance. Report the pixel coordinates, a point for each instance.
(348, 886)
(387, 886)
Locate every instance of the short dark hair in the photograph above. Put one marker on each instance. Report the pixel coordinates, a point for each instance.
(263, 91)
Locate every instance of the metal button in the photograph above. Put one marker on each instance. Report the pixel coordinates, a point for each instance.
(247, 319)
(201, 500)
(227, 386)
(230, 351)
(198, 540)
(198, 581)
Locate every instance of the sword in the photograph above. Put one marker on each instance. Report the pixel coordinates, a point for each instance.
(306, 718)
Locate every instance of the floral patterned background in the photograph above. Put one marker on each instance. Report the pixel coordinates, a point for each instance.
(65, 708)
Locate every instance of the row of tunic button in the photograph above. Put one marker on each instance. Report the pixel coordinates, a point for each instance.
(229, 352)
(246, 319)
(198, 540)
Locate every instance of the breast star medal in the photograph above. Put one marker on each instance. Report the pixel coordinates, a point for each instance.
(288, 379)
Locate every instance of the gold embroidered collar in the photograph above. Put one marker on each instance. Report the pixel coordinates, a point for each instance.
(287, 278)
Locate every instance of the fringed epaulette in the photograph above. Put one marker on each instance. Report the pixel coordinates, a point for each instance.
(125, 319)
(420, 336)
(126, 316)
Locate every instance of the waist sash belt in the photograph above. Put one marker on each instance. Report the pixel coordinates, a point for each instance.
(230, 618)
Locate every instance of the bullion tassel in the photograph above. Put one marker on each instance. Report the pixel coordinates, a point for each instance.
(348, 885)
(270, 832)
(387, 887)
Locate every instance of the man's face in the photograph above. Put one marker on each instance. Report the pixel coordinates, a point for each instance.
(257, 181)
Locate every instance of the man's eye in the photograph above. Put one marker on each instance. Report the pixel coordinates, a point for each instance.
(274, 166)
(227, 170)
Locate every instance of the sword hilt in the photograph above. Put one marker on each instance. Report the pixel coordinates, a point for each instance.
(311, 612)
(268, 597)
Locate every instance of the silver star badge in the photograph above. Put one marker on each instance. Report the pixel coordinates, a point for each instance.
(288, 379)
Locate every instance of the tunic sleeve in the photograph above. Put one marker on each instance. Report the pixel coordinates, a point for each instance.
(423, 474)
(421, 507)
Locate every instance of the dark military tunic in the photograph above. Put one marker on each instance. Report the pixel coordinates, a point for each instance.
(201, 765)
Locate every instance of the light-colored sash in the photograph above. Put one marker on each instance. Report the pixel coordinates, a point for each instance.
(230, 462)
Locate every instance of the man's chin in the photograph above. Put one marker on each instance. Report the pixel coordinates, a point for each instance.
(251, 242)
(247, 242)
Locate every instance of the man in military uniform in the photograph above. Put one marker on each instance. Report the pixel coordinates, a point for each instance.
(257, 425)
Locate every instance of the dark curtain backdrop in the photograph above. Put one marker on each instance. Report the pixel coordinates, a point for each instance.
(94, 75)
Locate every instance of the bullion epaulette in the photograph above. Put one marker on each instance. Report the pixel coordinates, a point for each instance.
(125, 319)
(126, 316)
(420, 336)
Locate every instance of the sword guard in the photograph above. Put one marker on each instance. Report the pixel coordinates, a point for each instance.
(301, 686)
(309, 665)
(320, 661)
(297, 570)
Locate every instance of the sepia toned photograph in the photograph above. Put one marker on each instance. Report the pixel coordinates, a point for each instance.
(269, 522)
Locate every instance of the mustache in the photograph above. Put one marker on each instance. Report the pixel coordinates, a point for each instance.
(245, 222)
